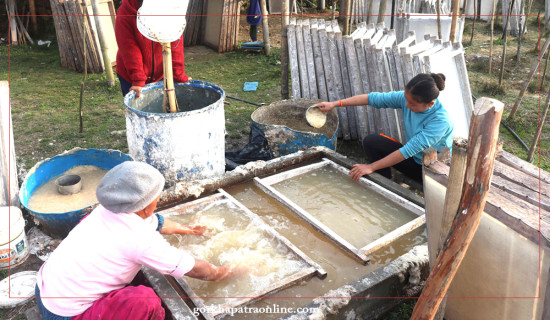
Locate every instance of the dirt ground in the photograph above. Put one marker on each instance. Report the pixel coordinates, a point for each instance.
(274, 22)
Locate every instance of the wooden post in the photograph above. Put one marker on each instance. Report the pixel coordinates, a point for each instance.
(438, 19)
(539, 128)
(529, 77)
(265, 15)
(475, 18)
(9, 185)
(169, 77)
(504, 45)
(32, 8)
(10, 6)
(482, 147)
(103, 43)
(347, 12)
(85, 72)
(455, 7)
(284, 49)
(492, 37)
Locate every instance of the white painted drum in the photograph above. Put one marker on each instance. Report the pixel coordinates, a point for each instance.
(183, 146)
(14, 248)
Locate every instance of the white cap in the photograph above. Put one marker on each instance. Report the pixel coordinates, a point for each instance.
(162, 20)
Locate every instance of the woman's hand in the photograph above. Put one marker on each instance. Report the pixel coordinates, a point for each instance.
(137, 89)
(196, 230)
(326, 106)
(360, 170)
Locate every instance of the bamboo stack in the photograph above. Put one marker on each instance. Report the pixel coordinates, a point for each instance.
(229, 26)
(195, 20)
(326, 65)
(68, 15)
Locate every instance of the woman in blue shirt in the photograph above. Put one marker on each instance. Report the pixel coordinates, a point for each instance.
(427, 124)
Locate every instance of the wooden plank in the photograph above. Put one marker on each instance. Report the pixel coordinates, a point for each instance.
(293, 56)
(346, 83)
(74, 35)
(518, 177)
(336, 75)
(302, 65)
(311, 220)
(364, 75)
(317, 57)
(310, 63)
(93, 48)
(66, 37)
(8, 184)
(356, 86)
(321, 273)
(394, 235)
(277, 286)
(223, 28)
(460, 63)
(533, 197)
(59, 34)
(189, 205)
(326, 64)
(524, 166)
(276, 178)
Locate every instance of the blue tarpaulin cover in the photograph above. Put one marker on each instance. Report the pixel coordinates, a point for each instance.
(250, 86)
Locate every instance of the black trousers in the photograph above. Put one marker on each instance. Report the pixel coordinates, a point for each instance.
(377, 147)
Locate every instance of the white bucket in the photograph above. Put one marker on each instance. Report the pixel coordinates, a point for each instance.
(14, 248)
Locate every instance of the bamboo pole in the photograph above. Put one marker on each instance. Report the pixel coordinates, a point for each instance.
(347, 12)
(542, 119)
(267, 43)
(438, 19)
(482, 147)
(521, 30)
(382, 10)
(474, 22)
(32, 8)
(103, 43)
(534, 68)
(85, 73)
(169, 90)
(284, 49)
(504, 45)
(455, 7)
(492, 37)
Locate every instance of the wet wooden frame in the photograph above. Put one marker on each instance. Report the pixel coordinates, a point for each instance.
(361, 254)
(313, 269)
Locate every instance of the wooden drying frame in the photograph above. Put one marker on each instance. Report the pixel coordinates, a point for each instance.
(361, 254)
(313, 268)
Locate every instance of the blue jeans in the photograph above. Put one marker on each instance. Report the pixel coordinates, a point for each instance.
(124, 85)
(46, 314)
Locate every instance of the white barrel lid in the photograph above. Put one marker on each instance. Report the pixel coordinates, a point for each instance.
(17, 289)
(13, 218)
(162, 20)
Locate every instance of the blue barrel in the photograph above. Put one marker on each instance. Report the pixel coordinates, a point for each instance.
(186, 145)
(60, 223)
(284, 125)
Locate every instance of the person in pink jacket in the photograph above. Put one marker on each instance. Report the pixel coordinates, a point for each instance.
(88, 275)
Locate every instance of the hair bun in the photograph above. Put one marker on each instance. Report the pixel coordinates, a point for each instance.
(439, 79)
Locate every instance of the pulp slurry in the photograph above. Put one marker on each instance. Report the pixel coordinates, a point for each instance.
(46, 199)
(233, 239)
(357, 214)
(341, 268)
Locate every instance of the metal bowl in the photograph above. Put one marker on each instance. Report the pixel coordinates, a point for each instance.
(69, 184)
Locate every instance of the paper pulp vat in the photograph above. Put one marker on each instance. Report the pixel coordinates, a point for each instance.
(186, 145)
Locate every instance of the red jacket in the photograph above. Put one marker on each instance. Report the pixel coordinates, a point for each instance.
(139, 60)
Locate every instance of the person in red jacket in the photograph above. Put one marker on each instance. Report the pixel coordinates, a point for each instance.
(139, 60)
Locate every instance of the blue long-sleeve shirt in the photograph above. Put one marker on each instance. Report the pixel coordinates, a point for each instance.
(430, 128)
